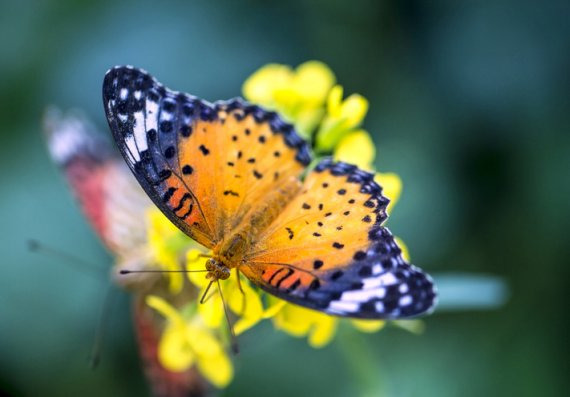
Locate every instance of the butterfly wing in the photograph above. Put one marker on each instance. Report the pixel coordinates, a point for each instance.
(204, 165)
(328, 251)
(110, 198)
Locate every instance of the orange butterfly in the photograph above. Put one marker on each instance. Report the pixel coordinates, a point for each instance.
(234, 177)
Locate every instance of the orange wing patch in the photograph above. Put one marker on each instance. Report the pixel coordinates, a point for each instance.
(204, 165)
(327, 250)
(326, 224)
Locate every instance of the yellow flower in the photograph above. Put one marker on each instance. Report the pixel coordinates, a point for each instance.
(342, 118)
(298, 321)
(167, 243)
(298, 95)
(356, 148)
(247, 305)
(185, 343)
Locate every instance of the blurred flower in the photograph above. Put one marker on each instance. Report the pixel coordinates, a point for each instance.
(187, 341)
(299, 95)
(342, 118)
(167, 243)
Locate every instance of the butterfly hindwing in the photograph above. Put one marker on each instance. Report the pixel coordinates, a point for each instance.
(204, 165)
(328, 251)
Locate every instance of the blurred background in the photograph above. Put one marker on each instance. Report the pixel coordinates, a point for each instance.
(468, 103)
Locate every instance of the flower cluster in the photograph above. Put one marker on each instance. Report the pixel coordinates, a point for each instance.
(196, 333)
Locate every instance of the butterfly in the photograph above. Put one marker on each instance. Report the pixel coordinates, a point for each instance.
(236, 178)
(114, 205)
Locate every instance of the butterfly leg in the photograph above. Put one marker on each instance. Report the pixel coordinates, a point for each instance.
(244, 300)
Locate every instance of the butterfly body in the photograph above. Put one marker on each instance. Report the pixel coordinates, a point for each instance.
(233, 176)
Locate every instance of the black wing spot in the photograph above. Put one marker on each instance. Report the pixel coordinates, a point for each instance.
(317, 234)
(328, 214)
(345, 213)
(291, 234)
(369, 204)
(239, 154)
(325, 185)
(168, 194)
(351, 201)
(336, 275)
(231, 193)
(315, 284)
(251, 160)
(306, 206)
(169, 152)
(261, 139)
(205, 151)
(186, 131)
(318, 264)
(321, 206)
(367, 219)
(338, 245)
(257, 174)
(187, 169)
(365, 271)
(320, 224)
(235, 138)
(165, 126)
(342, 192)
(276, 153)
(230, 163)
(247, 131)
(151, 135)
(164, 174)
(339, 228)
(359, 255)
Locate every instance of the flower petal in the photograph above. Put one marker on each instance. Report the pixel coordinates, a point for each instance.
(313, 81)
(353, 110)
(391, 186)
(260, 87)
(368, 325)
(174, 350)
(323, 331)
(356, 148)
(218, 369)
(195, 262)
(164, 308)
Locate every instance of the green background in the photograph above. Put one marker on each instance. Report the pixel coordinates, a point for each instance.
(468, 103)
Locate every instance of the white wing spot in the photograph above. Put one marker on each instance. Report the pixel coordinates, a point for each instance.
(139, 131)
(131, 145)
(363, 295)
(341, 307)
(405, 300)
(124, 93)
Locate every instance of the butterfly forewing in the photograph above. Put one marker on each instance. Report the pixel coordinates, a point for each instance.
(205, 165)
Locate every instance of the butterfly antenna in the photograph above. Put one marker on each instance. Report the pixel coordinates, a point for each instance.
(235, 347)
(76, 262)
(95, 355)
(126, 271)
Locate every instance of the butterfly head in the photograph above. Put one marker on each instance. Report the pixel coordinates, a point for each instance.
(216, 270)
